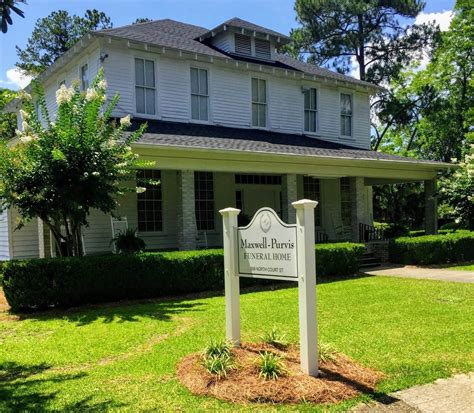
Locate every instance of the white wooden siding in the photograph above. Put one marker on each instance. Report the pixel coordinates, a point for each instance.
(285, 117)
(4, 237)
(174, 89)
(230, 97)
(24, 241)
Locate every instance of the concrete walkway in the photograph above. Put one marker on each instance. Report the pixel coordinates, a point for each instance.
(455, 394)
(410, 271)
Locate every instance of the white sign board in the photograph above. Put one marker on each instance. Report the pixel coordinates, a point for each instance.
(267, 247)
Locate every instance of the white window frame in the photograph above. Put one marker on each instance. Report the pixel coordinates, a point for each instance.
(317, 130)
(351, 94)
(208, 71)
(155, 88)
(265, 104)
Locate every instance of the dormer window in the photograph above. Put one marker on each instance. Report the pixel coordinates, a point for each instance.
(262, 49)
(243, 44)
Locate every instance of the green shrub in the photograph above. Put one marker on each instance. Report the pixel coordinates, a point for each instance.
(449, 225)
(128, 242)
(218, 348)
(218, 365)
(433, 249)
(338, 259)
(270, 365)
(275, 338)
(326, 352)
(71, 281)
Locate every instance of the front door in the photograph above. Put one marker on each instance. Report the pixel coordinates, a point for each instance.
(250, 198)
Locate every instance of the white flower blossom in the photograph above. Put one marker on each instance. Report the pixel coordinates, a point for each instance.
(26, 138)
(24, 114)
(125, 121)
(140, 190)
(95, 173)
(64, 94)
(91, 94)
(102, 84)
(25, 126)
(24, 95)
(86, 174)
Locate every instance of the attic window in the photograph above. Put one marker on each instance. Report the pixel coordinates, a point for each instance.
(262, 49)
(243, 44)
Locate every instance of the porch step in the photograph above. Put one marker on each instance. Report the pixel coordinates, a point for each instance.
(368, 260)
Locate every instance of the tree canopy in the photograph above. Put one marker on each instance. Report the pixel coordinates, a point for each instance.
(334, 32)
(7, 120)
(53, 35)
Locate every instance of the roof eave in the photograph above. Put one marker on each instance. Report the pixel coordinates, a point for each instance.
(433, 165)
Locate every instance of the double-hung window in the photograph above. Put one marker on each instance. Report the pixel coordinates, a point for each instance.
(204, 200)
(199, 94)
(84, 77)
(150, 202)
(346, 205)
(311, 110)
(259, 103)
(312, 190)
(346, 114)
(145, 86)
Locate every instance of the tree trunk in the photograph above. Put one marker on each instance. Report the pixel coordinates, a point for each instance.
(361, 48)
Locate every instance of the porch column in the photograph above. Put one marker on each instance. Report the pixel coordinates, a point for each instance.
(289, 195)
(358, 205)
(44, 240)
(187, 231)
(431, 207)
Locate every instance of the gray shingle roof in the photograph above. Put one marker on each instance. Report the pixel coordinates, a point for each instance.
(183, 36)
(198, 136)
(244, 24)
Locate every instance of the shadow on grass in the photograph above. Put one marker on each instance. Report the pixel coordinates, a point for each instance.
(161, 308)
(21, 391)
(120, 311)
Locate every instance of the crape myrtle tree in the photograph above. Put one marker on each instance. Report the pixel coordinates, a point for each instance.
(61, 169)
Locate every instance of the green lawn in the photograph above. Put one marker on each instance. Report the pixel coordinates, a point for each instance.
(124, 357)
(463, 267)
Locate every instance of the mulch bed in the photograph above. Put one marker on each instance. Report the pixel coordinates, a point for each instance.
(340, 379)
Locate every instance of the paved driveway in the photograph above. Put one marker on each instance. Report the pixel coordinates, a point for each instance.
(410, 271)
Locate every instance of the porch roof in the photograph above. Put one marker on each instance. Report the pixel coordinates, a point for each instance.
(220, 138)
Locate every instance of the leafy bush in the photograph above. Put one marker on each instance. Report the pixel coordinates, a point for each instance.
(270, 365)
(338, 259)
(218, 348)
(326, 352)
(433, 249)
(218, 364)
(71, 281)
(391, 230)
(450, 225)
(275, 339)
(128, 242)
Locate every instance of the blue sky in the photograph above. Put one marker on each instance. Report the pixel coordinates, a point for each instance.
(275, 14)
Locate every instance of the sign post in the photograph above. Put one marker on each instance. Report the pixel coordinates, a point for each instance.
(232, 285)
(307, 286)
(269, 248)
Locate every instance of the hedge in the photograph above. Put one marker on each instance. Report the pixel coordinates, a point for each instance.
(65, 282)
(433, 249)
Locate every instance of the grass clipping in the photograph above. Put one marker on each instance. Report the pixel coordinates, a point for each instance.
(340, 378)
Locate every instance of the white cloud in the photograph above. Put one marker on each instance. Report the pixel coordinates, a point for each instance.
(16, 79)
(443, 19)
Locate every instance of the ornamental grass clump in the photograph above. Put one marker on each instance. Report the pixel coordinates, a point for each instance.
(275, 338)
(270, 365)
(326, 352)
(218, 358)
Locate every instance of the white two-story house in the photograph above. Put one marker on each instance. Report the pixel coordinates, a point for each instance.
(231, 122)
